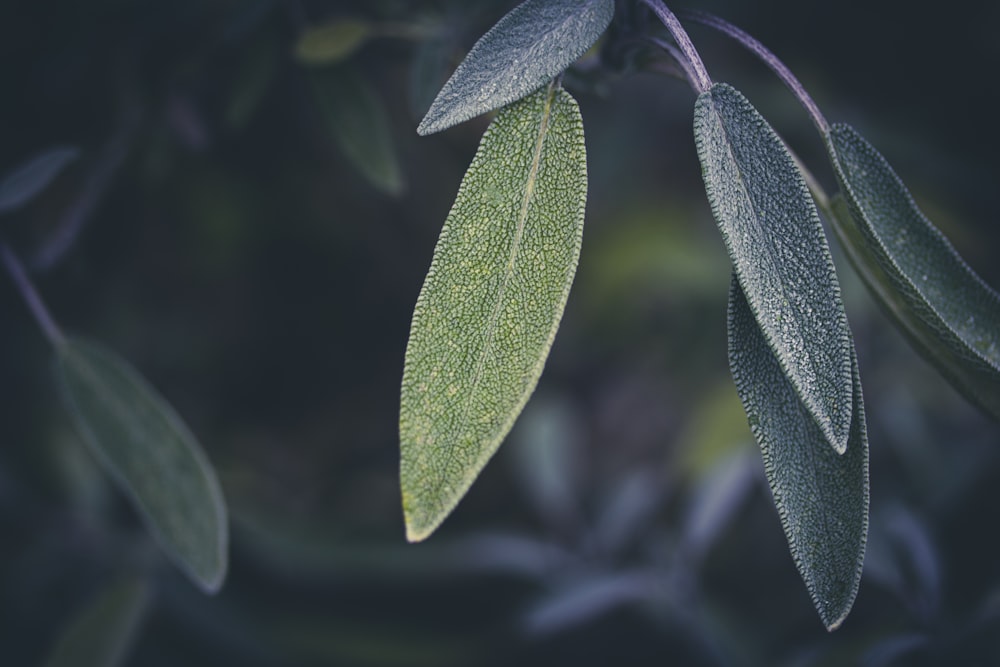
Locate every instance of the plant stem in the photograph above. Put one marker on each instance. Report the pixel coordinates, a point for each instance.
(699, 79)
(683, 69)
(768, 58)
(31, 297)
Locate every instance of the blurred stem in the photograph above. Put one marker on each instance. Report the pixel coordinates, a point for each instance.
(700, 79)
(768, 58)
(31, 297)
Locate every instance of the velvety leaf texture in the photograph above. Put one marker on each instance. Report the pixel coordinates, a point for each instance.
(529, 46)
(26, 181)
(946, 310)
(102, 633)
(490, 306)
(779, 252)
(358, 122)
(152, 455)
(821, 496)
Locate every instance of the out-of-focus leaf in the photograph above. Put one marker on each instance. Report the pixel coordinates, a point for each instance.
(901, 557)
(590, 598)
(151, 454)
(332, 42)
(492, 300)
(716, 500)
(821, 496)
(779, 252)
(544, 448)
(359, 124)
(251, 83)
(26, 181)
(529, 46)
(428, 71)
(102, 633)
(949, 314)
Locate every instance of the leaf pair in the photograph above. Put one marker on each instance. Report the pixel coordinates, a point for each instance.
(790, 349)
(505, 260)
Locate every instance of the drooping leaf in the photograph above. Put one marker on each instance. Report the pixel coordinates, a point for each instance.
(821, 496)
(102, 633)
(151, 454)
(779, 252)
(358, 122)
(332, 42)
(946, 310)
(533, 43)
(25, 182)
(492, 301)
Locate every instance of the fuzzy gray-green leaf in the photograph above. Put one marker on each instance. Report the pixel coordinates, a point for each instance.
(529, 46)
(821, 496)
(779, 252)
(150, 452)
(947, 311)
(492, 300)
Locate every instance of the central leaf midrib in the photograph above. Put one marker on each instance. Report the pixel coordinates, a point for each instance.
(490, 334)
(772, 252)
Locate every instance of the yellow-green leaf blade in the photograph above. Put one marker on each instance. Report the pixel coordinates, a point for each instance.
(529, 46)
(950, 315)
(821, 496)
(332, 42)
(780, 256)
(151, 454)
(492, 300)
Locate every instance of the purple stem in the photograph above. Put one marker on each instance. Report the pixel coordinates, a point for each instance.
(768, 58)
(700, 79)
(31, 297)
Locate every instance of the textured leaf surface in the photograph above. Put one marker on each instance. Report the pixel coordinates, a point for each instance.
(360, 126)
(529, 46)
(946, 310)
(821, 496)
(492, 300)
(780, 255)
(28, 180)
(103, 632)
(153, 456)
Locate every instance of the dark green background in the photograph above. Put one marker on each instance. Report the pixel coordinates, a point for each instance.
(265, 287)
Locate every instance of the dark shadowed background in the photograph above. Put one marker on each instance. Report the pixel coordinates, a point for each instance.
(236, 253)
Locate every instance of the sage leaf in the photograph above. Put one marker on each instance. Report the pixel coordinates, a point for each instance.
(332, 42)
(358, 122)
(533, 43)
(821, 496)
(25, 182)
(102, 634)
(946, 310)
(492, 300)
(779, 253)
(151, 454)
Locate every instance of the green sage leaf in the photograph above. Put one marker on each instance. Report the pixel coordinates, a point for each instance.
(151, 454)
(25, 182)
(359, 124)
(949, 314)
(492, 301)
(533, 43)
(779, 252)
(821, 496)
(102, 634)
(332, 42)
